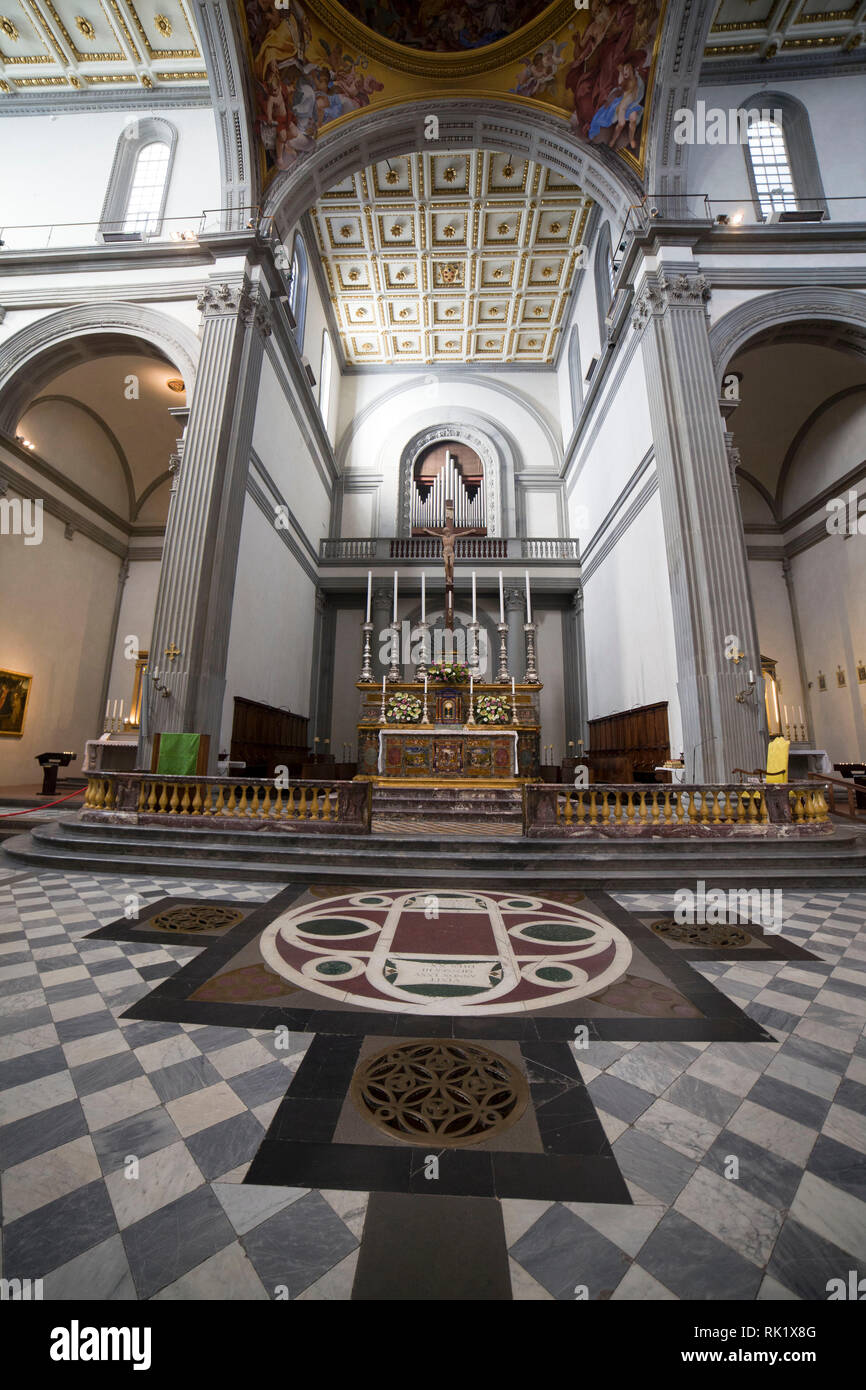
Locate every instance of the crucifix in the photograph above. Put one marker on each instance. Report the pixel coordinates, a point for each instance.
(172, 651)
(448, 534)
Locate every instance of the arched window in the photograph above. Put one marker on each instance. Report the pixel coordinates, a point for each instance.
(138, 184)
(771, 169)
(298, 288)
(604, 279)
(325, 370)
(575, 380)
(780, 156)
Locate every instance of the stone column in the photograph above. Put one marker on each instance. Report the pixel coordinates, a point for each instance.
(383, 607)
(515, 616)
(322, 675)
(197, 575)
(709, 582)
(574, 670)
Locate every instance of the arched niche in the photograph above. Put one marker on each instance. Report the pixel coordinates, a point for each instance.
(491, 447)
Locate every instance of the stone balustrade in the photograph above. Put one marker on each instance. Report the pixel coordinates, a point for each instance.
(155, 799)
(662, 809)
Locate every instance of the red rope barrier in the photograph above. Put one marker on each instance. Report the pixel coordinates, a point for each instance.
(28, 810)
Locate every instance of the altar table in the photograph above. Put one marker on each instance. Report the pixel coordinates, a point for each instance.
(445, 753)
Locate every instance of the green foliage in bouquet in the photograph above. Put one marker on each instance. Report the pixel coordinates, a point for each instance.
(449, 672)
(403, 708)
(492, 709)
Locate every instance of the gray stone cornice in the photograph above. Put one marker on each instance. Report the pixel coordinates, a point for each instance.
(50, 260)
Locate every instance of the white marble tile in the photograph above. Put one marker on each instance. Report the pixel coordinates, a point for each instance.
(228, 1276)
(689, 1134)
(642, 1069)
(524, 1288)
(335, 1286)
(30, 1040)
(70, 976)
(247, 1205)
(162, 1177)
(772, 1131)
(519, 1215)
(33, 1096)
(856, 1070)
(204, 1108)
(842, 1039)
(835, 1215)
(118, 1102)
(240, 1057)
(848, 1004)
(351, 1207)
(788, 1003)
(62, 1009)
(722, 1207)
(43, 1179)
(718, 1071)
(808, 1078)
(99, 1274)
(638, 1287)
(154, 1056)
(98, 1045)
(627, 1227)
(846, 1127)
(17, 972)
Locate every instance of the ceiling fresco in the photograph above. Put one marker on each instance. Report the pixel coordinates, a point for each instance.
(320, 62)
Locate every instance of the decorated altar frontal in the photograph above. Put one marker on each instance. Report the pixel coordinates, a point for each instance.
(452, 745)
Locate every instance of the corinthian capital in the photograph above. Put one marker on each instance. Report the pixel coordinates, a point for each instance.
(220, 300)
(663, 292)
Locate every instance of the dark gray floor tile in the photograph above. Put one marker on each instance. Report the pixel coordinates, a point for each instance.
(265, 1083)
(815, 1054)
(182, 1078)
(105, 1072)
(654, 1166)
(802, 1106)
(804, 1263)
(702, 1098)
(618, 1097)
(36, 1134)
(31, 1065)
(772, 1179)
(851, 1094)
(140, 1135)
(565, 1255)
(224, 1146)
(297, 1246)
(57, 1232)
(836, 1163)
(171, 1241)
(694, 1265)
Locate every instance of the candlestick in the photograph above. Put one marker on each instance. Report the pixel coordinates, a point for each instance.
(531, 672)
(423, 599)
(513, 703)
(471, 718)
(382, 714)
(528, 600)
(107, 707)
(502, 629)
(367, 654)
(785, 708)
(425, 718)
(394, 672)
(501, 600)
(472, 663)
(395, 596)
(474, 614)
(369, 593)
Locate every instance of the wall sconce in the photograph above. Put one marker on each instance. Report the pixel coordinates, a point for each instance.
(163, 689)
(742, 696)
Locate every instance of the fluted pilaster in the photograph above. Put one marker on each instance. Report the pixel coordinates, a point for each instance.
(703, 535)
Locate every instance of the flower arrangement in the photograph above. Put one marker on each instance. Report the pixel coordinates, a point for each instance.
(403, 708)
(492, 709)
(448, 672)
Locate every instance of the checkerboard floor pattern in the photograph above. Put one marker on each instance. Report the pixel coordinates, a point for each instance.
(745, 1161)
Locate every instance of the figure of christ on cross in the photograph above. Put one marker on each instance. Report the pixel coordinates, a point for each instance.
(448, 535)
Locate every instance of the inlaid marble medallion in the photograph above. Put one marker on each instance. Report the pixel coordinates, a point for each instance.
(446, 953)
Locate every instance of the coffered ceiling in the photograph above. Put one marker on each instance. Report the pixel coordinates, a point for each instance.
(463, 257)
(85, 45)
(770, 31)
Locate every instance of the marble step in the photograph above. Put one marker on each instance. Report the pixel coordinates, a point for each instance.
(599, 866)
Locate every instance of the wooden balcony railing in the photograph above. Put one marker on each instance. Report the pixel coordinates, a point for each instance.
(154, 798)
(647, 808)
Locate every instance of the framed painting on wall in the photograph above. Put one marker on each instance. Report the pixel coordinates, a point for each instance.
(14, 694)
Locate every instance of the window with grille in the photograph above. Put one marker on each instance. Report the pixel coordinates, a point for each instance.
(771, 168)
(144, 204)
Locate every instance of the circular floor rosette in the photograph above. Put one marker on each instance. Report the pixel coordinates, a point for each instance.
(445, 951)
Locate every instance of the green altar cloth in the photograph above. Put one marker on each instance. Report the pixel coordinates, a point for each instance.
(178, 754)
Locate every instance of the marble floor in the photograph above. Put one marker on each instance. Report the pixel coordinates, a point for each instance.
(743, 1159)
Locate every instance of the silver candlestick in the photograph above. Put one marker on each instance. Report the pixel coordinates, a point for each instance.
(503, 677)
(531, 672)
(367, 676)
(474, 668)
(394, 672)
(421, 668)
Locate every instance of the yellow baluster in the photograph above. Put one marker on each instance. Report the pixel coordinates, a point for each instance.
(184, 801)
(667, 813)
(302, 804)
(326, 811)
(291, 813)
(254, 803)
(617, 807)
(569, 809)
(265, 810)
(641, 810)
(220, 801)
(197, 800)
(151, 799)
(717, 810)
(581, 808)
(173, 804)
(593, 809)
(163, 799)
(242, 804)
(142, 796)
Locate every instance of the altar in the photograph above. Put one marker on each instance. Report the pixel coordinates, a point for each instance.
(450, 746)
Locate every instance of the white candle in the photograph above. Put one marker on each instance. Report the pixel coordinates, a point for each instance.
(512, 688)
(395, 596)
(528, 600)
(471, 684)
(425, 685)
(156, 673)
(383, 689)
(114, 711)
(121, 709)
(501, 600)
(369, 593)
(473, 596)
(801, 714)
(423, 598)
(107, 708)
(785, 708)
